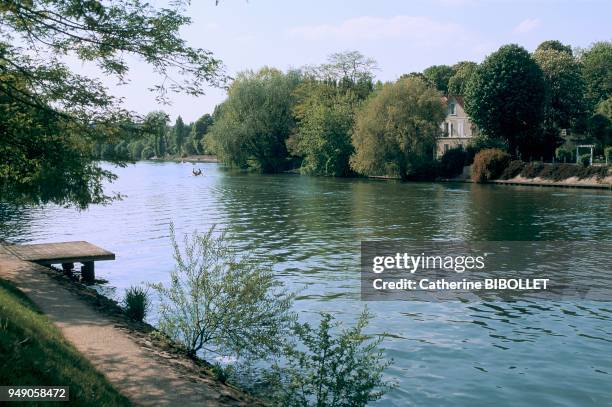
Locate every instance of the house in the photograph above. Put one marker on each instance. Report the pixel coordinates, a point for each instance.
(457, 128)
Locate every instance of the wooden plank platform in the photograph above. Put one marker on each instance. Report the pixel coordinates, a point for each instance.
(63, 252)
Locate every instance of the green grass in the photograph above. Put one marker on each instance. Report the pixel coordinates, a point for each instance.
(33, 352)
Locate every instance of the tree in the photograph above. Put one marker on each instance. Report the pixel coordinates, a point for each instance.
(156, 125)
(60, 111)
(597, 73)
(325, 117)
(324, 368)
(180, 132)
(554, 45)
(222, 302)
(463, 73)
(439, 75)
(505, 97)
(564, 102)
(198, 130)
(255, 121)
(397, 128)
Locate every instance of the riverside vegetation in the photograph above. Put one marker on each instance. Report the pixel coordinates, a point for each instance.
(220, 303)
(335, 120)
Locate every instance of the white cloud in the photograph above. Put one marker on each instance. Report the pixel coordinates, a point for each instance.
(423, 29)
(527, 25)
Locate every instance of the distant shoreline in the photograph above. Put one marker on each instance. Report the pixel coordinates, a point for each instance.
(188, 159)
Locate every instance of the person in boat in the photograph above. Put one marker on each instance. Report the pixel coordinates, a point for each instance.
(196, 172)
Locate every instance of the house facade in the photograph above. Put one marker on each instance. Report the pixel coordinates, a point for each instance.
(457, 128)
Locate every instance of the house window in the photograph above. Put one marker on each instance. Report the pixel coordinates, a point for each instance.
(451, 109)
(460, 129)
(450, 130)
(446, 147)
(446, 129)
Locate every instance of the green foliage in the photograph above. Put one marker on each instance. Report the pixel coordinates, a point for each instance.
(489, 164)
(505, 97)
(325, 117)
(438, 75)
(463, 72)
(585, 160)
(34, 353)
(51, 117)
(397, 128)
(595, 62)
(554, 45)
(199, 129)
(220, 301)
(136, 303)
(452, 162)
(180, 132)
(255, 121)
(324, 368)
(563, 154)
(482, 142)
(564, 87)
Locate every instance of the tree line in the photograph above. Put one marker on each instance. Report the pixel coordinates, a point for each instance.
(334, 120)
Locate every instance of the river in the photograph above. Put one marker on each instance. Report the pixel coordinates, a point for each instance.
(310, 229)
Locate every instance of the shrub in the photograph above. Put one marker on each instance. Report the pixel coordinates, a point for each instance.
(489, 164)
(585, 160)
(560, 172)
(452, 162)
(136, 303)
(327, 369)
(480, 143)
(219, 301)
(564, 155)
(513, 169)
(608, 154)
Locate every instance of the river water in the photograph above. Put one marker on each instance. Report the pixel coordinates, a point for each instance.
(310, 229)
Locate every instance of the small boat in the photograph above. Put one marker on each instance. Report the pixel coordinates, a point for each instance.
(196, 172)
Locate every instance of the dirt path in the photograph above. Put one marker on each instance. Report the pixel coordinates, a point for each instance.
(133, 370)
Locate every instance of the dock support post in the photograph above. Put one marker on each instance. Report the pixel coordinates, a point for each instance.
(87, 272)
(67, 268)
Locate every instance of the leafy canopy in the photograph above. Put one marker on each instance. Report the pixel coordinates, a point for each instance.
(397, 128)
(505, 97)
(57, 115)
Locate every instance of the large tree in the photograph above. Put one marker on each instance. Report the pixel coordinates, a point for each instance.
(253, 124)
(463, 72)
(52, 109)
(439, 75)
(397, 129)
(564, 102)
(505, 98)
(325, 117)
(597, 72)
(180, 133)
(554, 45)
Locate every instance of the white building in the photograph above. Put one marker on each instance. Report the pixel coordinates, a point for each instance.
(457, 128)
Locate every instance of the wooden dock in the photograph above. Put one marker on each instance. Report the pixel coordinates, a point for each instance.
(64, 253)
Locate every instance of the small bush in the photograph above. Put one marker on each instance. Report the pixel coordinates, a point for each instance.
(330, 369)
(480, 143)
(585, 160)
(136, 303)
(513, 169)
(489, 164)
(564, 155)
(560, 172)
(452, 162)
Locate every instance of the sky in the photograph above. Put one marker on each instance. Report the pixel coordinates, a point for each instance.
(402, 36)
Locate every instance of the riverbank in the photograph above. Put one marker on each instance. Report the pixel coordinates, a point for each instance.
(189, 159)
(137, 360)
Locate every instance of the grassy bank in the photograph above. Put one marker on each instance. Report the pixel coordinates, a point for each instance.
(33, 352)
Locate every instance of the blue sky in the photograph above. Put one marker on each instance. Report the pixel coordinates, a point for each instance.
(403, 36)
